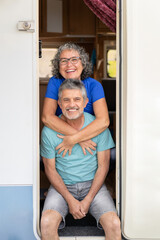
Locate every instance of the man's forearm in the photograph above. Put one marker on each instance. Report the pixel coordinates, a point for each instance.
(73, 204)
(57, 182)
(101, 173)
(96, 184)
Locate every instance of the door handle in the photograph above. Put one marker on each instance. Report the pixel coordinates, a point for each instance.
(27, 26)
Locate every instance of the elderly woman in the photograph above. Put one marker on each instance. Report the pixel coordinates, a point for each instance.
(72, 62)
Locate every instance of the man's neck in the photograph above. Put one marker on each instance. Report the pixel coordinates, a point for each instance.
(75, 123)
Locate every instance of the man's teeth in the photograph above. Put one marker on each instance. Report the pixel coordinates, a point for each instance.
(72, 109)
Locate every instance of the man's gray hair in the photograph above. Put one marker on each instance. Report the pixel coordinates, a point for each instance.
(72, 84)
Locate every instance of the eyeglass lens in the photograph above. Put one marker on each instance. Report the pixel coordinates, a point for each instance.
(73, 60)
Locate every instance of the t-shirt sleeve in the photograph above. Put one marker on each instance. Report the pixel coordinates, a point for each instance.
(105, 141)
(52, 88)
(97, 91)
(46, 148)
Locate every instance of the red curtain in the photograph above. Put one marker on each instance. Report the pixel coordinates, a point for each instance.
(105, 10)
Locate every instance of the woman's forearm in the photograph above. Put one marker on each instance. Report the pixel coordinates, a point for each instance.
(90, 131)
(93, 129)
(58, 125)
(97, 126)
(50, 119)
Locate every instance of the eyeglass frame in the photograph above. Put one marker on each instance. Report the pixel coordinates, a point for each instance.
(69, 59)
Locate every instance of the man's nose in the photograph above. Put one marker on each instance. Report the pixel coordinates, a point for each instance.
(72, 103)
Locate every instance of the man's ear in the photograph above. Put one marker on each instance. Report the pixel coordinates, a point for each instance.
(85, 103)
(59, 103)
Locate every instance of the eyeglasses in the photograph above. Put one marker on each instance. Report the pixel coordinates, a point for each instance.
(73, 60)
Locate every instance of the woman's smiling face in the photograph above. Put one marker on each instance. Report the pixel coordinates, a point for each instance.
(70, 70)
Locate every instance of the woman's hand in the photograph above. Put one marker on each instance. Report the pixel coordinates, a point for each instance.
(88, 145)
(67, 144)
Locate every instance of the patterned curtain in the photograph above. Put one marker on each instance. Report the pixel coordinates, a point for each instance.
(105, 10)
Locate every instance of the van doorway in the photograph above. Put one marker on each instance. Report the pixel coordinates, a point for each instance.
(100, 42)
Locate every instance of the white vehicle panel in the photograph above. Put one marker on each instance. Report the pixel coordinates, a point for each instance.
(17, 93)
(140, 119)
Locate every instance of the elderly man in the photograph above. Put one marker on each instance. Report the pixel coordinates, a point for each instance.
(77, 180)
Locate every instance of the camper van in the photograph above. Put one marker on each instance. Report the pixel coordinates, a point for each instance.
(126, 63)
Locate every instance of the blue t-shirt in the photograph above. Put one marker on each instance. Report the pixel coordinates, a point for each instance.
(93, 87)
(77, 167)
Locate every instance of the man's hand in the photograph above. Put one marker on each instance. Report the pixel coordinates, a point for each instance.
(67, 145)
(85, 204)
(75, 208)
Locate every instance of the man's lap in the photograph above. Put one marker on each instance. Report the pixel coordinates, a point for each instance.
(101, 203)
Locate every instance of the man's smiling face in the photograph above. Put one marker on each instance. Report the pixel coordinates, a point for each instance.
(72, 103)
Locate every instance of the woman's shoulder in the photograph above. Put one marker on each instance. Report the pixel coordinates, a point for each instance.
(52, 88)
(55, 80)
(92, 84)
(91, 81)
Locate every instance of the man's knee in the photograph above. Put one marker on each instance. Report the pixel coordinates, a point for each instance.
(50, 220)
(110, 222)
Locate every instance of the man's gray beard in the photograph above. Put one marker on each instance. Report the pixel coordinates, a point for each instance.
(73, 118)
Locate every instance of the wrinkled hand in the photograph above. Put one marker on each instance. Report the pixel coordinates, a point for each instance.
(88, 145)
(66, 145)
(85, 204)
(75, 209)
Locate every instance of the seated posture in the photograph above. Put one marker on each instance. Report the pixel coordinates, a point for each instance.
(77, 180)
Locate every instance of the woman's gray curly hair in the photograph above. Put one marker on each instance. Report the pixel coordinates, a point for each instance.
(87, 65)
